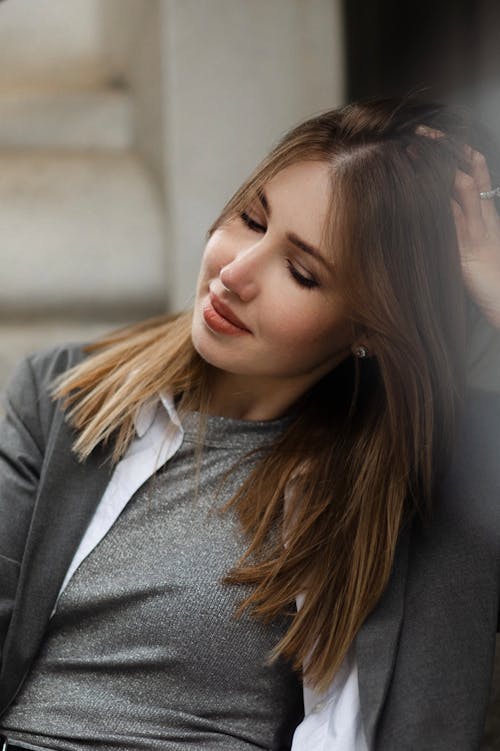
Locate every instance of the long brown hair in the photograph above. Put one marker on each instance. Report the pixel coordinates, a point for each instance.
(371, 439)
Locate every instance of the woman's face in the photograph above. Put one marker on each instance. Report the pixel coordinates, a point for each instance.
(294, 325)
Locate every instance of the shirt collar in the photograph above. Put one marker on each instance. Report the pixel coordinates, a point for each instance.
(146, 413)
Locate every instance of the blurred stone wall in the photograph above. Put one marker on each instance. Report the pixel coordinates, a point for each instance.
(124, 127)
(82, 233)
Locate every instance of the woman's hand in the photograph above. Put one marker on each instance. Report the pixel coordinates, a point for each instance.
(478, 232)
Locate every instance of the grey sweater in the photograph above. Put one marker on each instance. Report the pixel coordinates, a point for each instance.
(144, 651)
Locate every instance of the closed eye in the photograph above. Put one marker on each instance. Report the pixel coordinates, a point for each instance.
(304, 281)
(251, 223)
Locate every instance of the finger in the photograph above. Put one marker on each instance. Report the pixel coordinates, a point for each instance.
(480, 173)
(465, 247)
(466, 193)
(460, 224)
(425, 130)
(479, 170)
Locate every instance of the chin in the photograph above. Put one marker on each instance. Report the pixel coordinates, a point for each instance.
(202, 346)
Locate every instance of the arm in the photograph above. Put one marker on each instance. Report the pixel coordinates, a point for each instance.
(21, 456)
(478, 234)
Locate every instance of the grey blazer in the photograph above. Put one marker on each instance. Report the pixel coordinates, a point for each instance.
(424, 654)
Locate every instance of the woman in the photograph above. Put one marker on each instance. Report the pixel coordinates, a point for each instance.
(290, 488)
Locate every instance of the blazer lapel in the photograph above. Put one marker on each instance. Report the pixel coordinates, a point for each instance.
(68, 494)
(377, 641)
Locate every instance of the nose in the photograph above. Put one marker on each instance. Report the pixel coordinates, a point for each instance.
(240, 275)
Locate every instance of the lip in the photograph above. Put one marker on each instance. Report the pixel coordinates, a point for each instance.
(220, 319)
(226, 312)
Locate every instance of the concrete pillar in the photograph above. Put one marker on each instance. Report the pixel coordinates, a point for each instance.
(236, 74)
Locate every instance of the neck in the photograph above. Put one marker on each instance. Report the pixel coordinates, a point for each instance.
(250, 399)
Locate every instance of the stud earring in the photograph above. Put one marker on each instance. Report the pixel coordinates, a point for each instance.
(360, 351)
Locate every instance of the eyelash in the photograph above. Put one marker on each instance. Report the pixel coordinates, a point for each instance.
(256, 227)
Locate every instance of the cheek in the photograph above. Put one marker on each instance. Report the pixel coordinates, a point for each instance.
(299, 325)
(288, 327)
(208, 268)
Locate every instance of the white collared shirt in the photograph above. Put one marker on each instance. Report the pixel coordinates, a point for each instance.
(332, 721)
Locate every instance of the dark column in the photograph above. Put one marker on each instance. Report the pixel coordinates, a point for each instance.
(448, 48)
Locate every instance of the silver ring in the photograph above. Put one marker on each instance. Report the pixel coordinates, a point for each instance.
(490, 193)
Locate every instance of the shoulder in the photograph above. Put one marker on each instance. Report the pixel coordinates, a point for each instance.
(471, 483)
(477, 437)
(482, 400)
(39, 369)
(48, 363)
(28, 390)
(479, 423)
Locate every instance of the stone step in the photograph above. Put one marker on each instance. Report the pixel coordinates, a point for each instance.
(79, 231)
(53, 40)
(58, 117)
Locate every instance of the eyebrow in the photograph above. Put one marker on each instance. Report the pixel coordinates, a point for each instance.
(295, 239)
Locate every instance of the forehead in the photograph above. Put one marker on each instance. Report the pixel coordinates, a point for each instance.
(306, 182)
(299, 199)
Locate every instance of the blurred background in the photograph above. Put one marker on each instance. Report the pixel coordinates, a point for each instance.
(125, 125)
